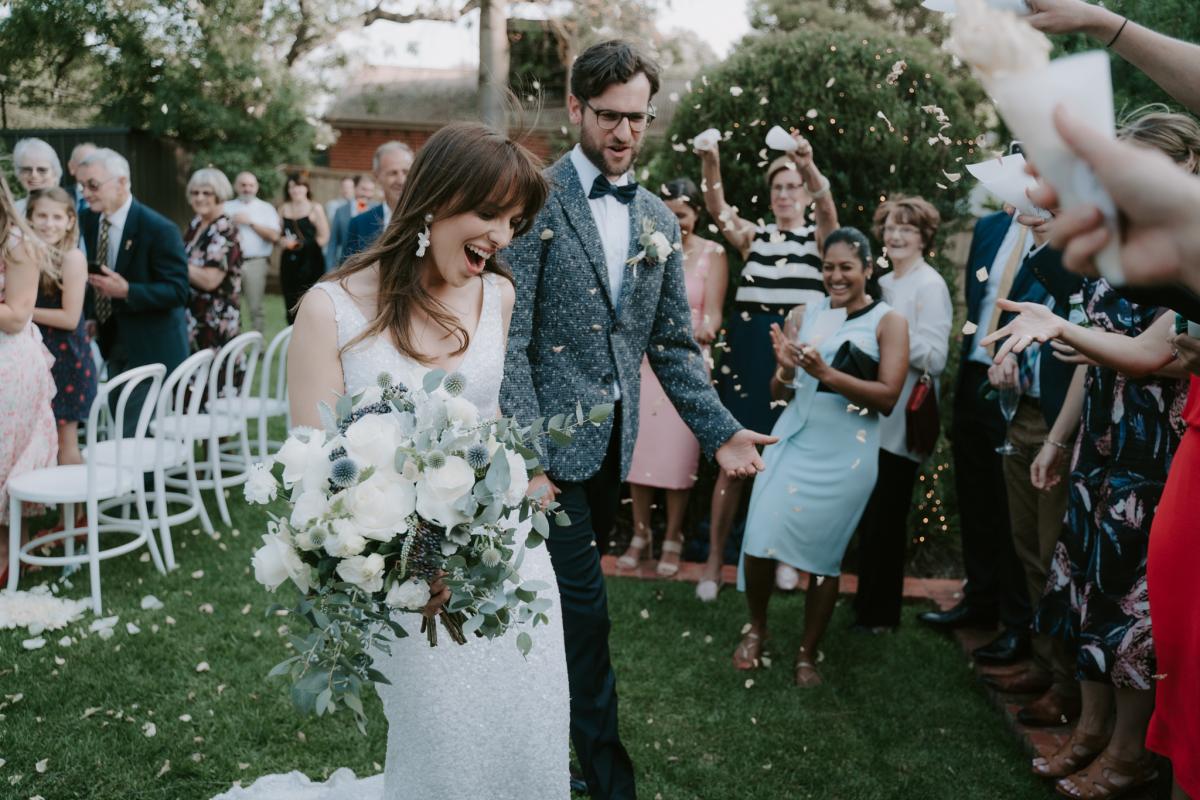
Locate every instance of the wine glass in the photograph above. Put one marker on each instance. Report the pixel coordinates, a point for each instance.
(793, 322)
(1010, 397)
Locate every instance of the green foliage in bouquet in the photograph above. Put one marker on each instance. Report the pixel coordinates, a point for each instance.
(402, 495)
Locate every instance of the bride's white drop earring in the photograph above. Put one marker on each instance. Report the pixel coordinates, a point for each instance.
(423, 237)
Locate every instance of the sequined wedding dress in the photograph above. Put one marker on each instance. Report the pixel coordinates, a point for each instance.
(464, 722)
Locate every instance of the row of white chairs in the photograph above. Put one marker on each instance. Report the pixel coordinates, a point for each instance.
(111, 483)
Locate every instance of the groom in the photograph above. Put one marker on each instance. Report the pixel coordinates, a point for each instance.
(591, 301)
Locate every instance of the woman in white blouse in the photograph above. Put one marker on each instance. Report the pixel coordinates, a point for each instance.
(906, 226)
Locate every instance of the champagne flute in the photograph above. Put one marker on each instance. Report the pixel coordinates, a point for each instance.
(793, 323)
(1010, 398)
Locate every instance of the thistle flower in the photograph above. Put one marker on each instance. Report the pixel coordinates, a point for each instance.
(435, 459)
(384, 381)
(490, 557)
(454, 383)
(477, 456)
(343, 473)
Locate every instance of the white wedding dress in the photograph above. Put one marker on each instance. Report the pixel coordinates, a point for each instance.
(465, 722)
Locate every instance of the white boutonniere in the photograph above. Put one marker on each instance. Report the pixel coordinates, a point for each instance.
(656, 247)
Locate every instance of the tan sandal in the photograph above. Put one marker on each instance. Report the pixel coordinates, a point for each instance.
(1108, 778)
(813, 678)
(748, 654)
(1075, 754)
(668, 569)
(636, 545)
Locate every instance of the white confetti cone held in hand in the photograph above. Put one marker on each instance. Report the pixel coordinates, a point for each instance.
(707, 139)
(1007, 179)
(1011, 59)
(779, 139)
(1018, 7)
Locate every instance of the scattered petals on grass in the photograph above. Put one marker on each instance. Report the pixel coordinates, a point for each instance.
(202, 666)
(166, 767)
(34, 644)
(151, 603)
(149, 730)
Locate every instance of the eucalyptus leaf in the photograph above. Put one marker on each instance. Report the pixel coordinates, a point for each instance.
(524, 643)
(560, 437)
(345, 405)
(432, 380)
(541, 524)
(599, 413)
(561, 519)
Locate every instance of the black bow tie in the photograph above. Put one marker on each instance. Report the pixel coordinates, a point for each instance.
(602, 186)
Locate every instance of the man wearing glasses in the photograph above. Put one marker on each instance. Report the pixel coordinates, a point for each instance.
(137, 271)
(37, 167)
(600, 286)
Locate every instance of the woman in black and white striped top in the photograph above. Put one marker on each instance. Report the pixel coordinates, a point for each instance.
(782, 269)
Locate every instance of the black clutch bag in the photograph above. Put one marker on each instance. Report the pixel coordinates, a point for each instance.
(851, 360)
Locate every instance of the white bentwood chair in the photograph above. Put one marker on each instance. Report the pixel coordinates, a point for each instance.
(156, 455)
(272, 400)
(91, 483)
(220, 471)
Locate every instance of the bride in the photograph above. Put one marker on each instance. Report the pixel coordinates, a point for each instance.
(476, 720)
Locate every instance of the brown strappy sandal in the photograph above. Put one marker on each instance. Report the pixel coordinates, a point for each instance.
(812, 678)
(748, 654)
(1098, 780)
(1075, 754)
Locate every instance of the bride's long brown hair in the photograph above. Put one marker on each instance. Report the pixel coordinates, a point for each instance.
(463, 167)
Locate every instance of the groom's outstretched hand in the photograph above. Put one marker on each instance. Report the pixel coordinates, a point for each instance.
(739, 456)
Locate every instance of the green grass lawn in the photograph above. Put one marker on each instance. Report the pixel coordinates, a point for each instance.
(900, 716)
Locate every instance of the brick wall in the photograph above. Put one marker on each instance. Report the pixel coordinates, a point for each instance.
(355, 146)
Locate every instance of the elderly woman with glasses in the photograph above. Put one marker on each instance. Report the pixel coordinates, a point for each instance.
(214, 263)
(37, 167)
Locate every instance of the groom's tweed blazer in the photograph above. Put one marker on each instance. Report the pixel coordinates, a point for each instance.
(570, 339)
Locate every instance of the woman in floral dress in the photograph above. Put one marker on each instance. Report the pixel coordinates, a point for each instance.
(1096, 595)
(214, 264)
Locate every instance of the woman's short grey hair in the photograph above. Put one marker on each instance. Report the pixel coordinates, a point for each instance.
(111, 160)
(214, 179)
(34, 148)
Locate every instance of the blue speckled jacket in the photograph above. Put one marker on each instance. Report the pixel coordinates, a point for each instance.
(567, 342)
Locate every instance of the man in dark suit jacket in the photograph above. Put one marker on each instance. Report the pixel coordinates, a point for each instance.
(391, 164)
(140, 291)
(339, 223)
(995, 588)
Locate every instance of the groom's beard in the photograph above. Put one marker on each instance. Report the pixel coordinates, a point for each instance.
(593, 145)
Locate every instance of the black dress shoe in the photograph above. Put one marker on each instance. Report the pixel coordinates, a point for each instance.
(961, 616)
(579, 786)
(1007, 648)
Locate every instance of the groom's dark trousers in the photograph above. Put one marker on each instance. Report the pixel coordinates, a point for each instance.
(591, 504)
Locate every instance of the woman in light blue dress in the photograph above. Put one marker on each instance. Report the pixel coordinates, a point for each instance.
(837, 378)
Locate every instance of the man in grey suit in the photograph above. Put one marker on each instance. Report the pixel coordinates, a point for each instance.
(592, 299)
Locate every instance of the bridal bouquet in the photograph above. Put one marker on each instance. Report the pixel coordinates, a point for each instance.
(402, 488)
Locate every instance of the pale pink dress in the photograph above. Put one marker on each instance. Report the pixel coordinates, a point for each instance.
(666, 454)
(28, 435)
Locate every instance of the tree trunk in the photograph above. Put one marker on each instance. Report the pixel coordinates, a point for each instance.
(493, 62)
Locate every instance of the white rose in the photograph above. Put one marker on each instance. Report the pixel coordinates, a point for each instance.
(346, 540)
(373, 440)
(260, 487)
(311, 505)
(276, 561)
(441, 488)
(411, 594)
(661, 244)
(462, 411)
(305, 459)
(518, 478)
(381, 505)
(365, 572)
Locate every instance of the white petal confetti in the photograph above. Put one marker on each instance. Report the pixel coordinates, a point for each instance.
(149, 730)
(202, 666)
(151, 603)
(736, 91)
(969, 328)
(41, 765)
(34, 644)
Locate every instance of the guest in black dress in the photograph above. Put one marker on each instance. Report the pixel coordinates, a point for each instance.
(59, 316)
(305, 232)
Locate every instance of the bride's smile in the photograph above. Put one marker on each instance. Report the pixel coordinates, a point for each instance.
(461, 245)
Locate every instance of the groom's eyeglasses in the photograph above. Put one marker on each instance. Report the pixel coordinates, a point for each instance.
(608, 119)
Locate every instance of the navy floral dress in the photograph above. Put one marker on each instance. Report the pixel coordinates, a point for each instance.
(74, 369)
(214, 318)
(1096, 595)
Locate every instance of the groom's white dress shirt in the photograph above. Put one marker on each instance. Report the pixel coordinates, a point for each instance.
(612, 222)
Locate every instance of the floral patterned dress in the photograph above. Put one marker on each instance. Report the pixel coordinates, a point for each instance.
(214, 318)
(28, 433)
(74, 370)
(1096, 593)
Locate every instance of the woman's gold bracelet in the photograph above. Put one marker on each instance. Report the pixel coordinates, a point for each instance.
(1059, 445)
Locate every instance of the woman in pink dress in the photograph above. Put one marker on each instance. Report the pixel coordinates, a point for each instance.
(28, 434)
(666, 454)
